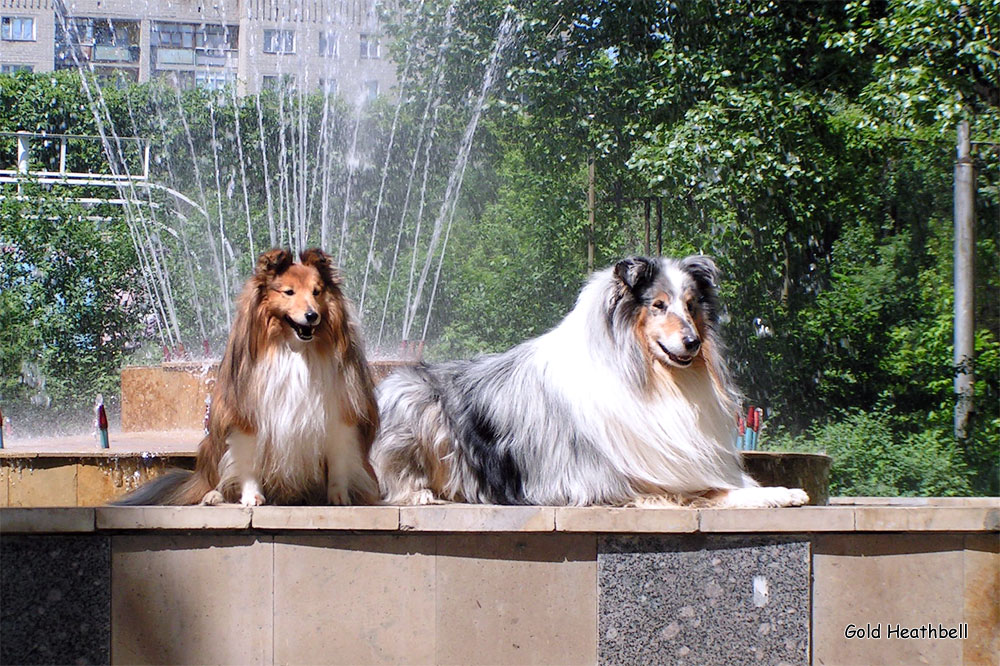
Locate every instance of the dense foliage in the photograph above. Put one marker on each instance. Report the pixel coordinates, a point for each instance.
(808, 147)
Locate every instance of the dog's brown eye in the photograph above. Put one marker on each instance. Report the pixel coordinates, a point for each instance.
(315, 292)
(289, 292)
(659, 305)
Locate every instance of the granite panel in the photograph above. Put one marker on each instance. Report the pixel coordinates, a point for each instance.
(516, 599)
(198, 598)
(55, 600)
(354, 599)
(703, 600)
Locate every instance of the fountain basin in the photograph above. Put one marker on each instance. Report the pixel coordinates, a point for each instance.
(500, 584)
(809, 471)
(80, 475)
(174, 395)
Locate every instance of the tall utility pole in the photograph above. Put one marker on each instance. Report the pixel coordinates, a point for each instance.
(965, 252)
(591, 204)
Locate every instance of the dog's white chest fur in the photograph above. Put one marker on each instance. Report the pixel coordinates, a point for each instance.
(297, 395)
(300, 426)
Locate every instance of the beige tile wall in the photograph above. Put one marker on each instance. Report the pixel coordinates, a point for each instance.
(982, 599)
(44, 483)
(197, 598)
(907, 579)
(70, 481)
(354, 599)
(524, 599)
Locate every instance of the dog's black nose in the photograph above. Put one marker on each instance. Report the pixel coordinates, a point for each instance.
(691, 343)
(312, 316)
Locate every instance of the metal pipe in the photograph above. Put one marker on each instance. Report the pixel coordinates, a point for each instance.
(965, 251)
(23, 152)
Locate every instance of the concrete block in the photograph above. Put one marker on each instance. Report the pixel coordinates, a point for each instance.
(881, 583)
(516, 599)
(354, 599)
(477, 518)
(191, 599)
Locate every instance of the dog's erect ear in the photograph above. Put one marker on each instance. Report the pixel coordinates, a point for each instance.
(273, 262)
(322, 262)
(702, 269)
(705, 274)
(635, 272)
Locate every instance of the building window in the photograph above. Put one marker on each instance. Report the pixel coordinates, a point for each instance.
(172, 35)
(213, 80)
(369, 46)
(371, 90)
(17, 28)
(279, 83)
(14, 69)
(217, 37)
(279, 41)
(184, 80)
(96, 40)
(328, 46)
(328, 86)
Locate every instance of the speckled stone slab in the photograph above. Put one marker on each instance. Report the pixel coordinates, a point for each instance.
(703, 600)
(55, 599)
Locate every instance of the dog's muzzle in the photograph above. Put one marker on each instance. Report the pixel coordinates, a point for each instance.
(303, 332)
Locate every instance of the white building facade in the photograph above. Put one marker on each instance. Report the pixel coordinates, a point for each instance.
(333, 45)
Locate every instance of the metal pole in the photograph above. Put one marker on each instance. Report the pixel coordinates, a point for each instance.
(648, 205)
(62, 156)
(23, 152)
(659, 227)
(23, 156)
(965, 246)
(591, 203)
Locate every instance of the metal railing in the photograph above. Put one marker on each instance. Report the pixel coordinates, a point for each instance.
(62, 174)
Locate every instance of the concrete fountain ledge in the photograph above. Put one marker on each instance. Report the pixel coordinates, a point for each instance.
(844, 514)
(472, 584)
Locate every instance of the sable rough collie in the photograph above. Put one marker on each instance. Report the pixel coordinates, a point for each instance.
(627, 400)
(293, 412)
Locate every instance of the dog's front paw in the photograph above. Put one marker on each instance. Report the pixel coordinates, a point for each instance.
(338, 495)
(761, 498)
(252, 499)
(252, 495)
(213, 498)
(796, 497)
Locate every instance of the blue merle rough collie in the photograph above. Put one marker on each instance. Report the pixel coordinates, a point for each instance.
(626, 401)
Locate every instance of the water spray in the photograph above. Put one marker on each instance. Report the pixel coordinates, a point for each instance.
(208, 411)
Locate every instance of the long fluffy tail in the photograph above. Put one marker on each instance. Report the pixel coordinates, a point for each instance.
(176, 488)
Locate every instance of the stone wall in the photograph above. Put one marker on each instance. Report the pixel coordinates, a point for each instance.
(460, 584)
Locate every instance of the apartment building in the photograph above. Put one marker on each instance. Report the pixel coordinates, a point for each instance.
(308, 44)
